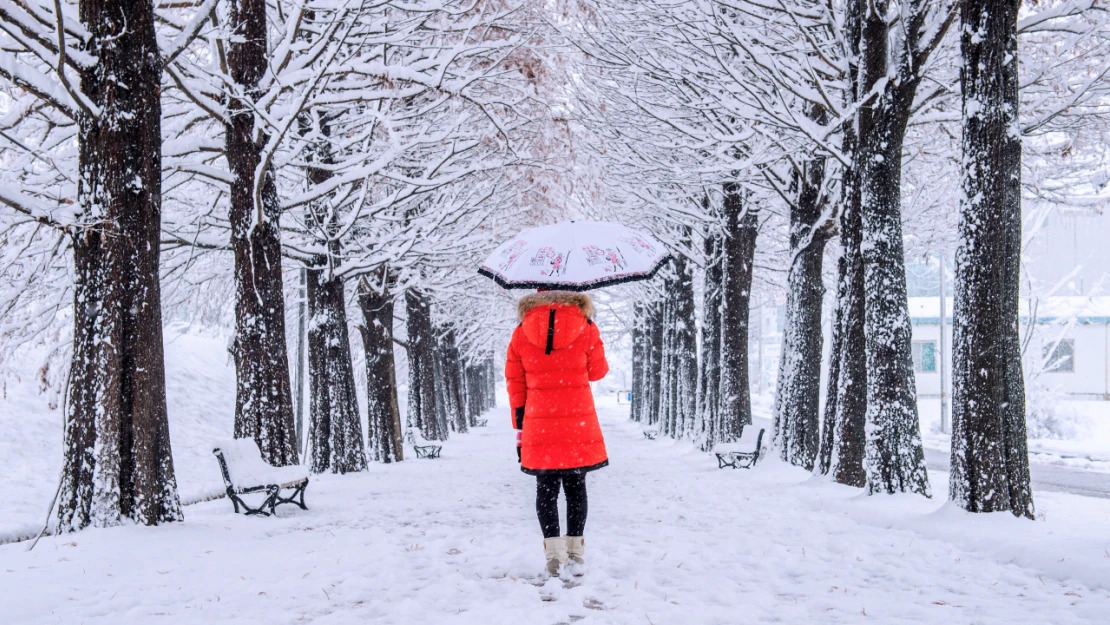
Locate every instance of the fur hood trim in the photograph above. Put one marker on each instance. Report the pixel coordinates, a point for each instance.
(546, 298)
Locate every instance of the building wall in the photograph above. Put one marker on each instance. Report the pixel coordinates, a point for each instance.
(1090, 377)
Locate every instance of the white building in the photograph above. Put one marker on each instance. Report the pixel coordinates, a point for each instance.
(1068, 348)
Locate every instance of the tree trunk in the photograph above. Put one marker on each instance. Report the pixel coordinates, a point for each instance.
(382, 408)
(685, 345)
(709, 373)
(654, 375)
(849, 442)
(639, 347)
(846, 409)
(423, 412)
(118, 463)
(828, 420)
(738, 256)
(990, 458)
(335, 436)
(449, 383)
(798, 397)
(895, 459)
(263, 402)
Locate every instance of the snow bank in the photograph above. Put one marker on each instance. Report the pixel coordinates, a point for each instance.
(200, 394)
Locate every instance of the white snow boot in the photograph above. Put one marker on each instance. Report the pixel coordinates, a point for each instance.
(555, 550)
(576, 553)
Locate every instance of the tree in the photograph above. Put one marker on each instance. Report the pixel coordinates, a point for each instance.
(263, 399)
(737, 256)
(895, 459)
(383, 412)
(990, 457)
(798, 396)
(423, 413)
(118, 462)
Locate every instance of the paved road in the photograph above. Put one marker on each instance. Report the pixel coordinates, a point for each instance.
(1046, 476)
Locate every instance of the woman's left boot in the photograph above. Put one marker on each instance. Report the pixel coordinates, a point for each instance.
(576, 552)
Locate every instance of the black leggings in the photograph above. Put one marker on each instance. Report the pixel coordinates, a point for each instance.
(547, 503)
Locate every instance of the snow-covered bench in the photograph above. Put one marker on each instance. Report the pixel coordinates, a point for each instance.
(741, 459)
(651, 434)
(426, 450)
(244, 471)
(481, 423)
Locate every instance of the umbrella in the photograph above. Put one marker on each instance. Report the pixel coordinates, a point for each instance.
(575, 256)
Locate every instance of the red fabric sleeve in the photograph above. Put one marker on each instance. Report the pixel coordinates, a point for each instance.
(596, 365)
(514, 377)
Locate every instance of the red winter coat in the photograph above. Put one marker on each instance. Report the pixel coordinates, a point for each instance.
(554, 354)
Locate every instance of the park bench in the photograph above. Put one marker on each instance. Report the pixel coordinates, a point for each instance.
(244, 471)
(741, 459)
(424, 451)
(651, 434)
(481, 423)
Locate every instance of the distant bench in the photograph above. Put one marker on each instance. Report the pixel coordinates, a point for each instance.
(424, 451)
(741, 459)
(244, 471)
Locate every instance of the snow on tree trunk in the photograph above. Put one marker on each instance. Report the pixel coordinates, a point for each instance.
(680, 360)
(639, 345)
(843, 441)
(709, 372)
(118, 463)
(263, 402)
(738, 255)
(654, 370)
(990, 458)
(423, 412)
(828, 420)
(335, 434)
(798, 396)
(895, 459)
(382, 408)
(448, 368)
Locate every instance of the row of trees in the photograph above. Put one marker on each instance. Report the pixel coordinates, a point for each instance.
(806, 121)
(146, 147)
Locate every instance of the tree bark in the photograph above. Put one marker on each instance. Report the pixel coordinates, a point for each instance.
(846, 409)
(423, 411)
(895, 458)
(655, 363)
(685, 345)
(798, 397)
(709, 374)
(382, 408)
(990, 458)
(450, 368)
(335, 437)
(639, 347)
(738, 256)
(263, 402)
(118, 462)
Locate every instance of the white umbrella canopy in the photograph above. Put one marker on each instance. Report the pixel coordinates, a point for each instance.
(575, 256)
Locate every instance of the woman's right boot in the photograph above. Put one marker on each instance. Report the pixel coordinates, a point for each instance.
(555, 550)
(576, 555)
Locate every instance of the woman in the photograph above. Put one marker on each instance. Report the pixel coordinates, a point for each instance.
(554, 354)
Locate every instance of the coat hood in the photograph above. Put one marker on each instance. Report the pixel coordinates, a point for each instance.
(547, 298)
(554, 319)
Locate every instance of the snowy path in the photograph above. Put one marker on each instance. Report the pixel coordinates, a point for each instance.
(671, 540)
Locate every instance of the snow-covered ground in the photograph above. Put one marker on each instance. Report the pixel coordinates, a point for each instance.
(672, 539)
(200, 395)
